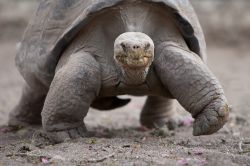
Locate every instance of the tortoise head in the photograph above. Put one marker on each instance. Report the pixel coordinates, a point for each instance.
(134, 50)
(134, 53)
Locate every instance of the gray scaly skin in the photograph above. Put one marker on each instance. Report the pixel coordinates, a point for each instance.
(194, 86)
(151, 52)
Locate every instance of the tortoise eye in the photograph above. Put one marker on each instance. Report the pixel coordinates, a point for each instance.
(147, 46)
(123, 46)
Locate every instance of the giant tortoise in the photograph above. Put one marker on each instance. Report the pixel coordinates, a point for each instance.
(79, 54)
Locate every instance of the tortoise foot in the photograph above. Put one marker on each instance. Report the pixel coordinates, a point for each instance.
(65, 135)
(172, 122)
(210, 121)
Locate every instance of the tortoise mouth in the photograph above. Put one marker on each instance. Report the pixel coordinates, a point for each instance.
(133, 61)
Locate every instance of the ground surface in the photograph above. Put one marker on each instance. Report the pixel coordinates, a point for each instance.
(117, 138)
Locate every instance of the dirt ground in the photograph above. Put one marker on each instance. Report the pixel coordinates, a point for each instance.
(117, 138)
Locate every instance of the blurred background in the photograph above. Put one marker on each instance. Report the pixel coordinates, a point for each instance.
(226, 24)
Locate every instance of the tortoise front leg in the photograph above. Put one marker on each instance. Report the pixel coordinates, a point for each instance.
(73, 89)
(194, 86)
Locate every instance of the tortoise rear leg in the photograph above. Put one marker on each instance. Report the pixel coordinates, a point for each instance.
(159, 111)
(73, 89)
(29, 109)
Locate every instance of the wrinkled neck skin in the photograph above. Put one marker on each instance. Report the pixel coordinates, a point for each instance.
(134, 77)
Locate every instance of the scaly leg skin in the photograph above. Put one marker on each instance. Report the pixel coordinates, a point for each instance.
(194, 86)
(73, 89)
(29, 109)
(160, 111)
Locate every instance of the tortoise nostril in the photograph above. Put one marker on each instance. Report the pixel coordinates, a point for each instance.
(136, 47)
(125, 47)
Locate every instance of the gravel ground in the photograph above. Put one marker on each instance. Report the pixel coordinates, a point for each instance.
(117, 138)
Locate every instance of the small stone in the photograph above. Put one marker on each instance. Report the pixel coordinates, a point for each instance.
(126, 146)
(198, 152)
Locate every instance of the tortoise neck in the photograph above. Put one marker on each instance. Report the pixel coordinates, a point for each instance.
(134, 77)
